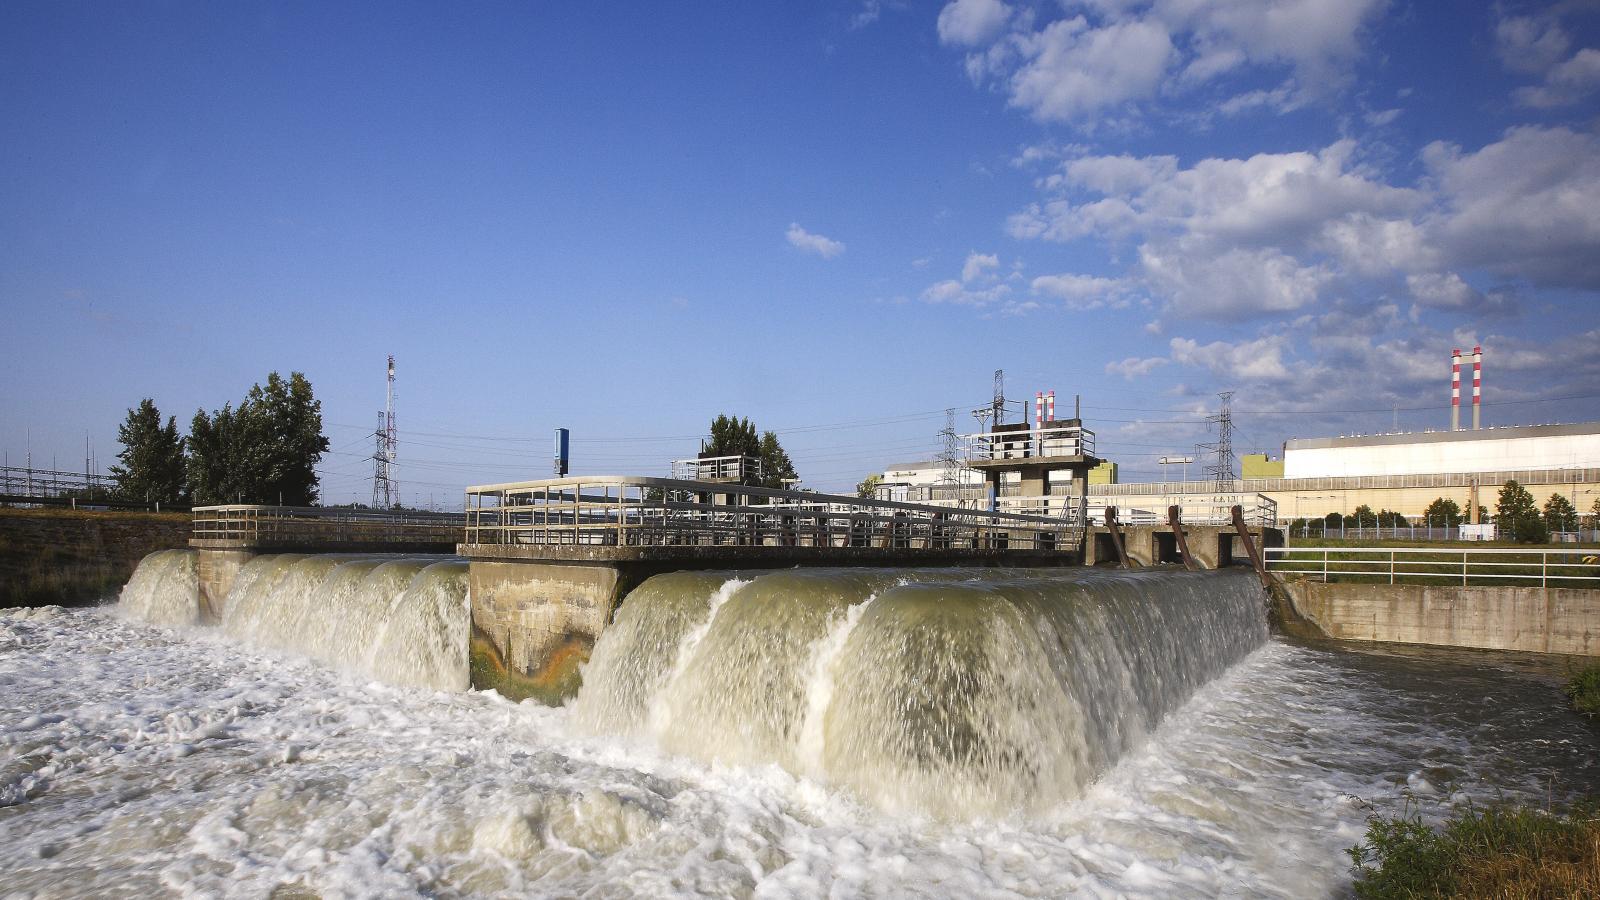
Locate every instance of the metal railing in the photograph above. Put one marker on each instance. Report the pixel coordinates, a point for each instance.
(323, 525)
(1484, 480)
(718, 468)
(634, 511)
(1209, 509)
(1426, 565)
(1051, 440)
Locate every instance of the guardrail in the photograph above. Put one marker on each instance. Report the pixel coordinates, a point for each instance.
(1211, 509)
(638, 511)
(1052, 439)
(263, 524)
(1425, 565)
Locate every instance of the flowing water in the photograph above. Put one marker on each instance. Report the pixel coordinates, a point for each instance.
(867, 733)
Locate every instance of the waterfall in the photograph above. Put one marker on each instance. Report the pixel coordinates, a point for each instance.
(948, 693)
(164, 590)
(400, 620)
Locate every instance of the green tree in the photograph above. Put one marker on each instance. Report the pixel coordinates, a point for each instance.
(1594, 514)
(1388, 518)
(775, 461)
(1364, 517)
(264, 451)
(1333, 521)
(152, 469)
(1516, 516)
(731, 436)
(868, 487)
(1442, 513)
(1559, 514)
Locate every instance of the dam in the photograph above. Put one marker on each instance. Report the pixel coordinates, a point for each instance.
(976, 731)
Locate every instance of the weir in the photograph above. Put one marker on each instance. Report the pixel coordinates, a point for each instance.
(551, 559)
(229, 536)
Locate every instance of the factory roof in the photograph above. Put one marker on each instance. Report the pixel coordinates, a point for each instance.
(1506, 432)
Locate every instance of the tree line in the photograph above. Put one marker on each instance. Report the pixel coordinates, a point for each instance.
(264, 450)
(1517, 516)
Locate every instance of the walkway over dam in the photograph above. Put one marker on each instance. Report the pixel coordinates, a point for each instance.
(550, 560)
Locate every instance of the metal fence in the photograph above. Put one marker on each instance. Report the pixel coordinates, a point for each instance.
(638, 511)
(256, 523)
(1426, 565)
(1052, 439)
(1316, 528)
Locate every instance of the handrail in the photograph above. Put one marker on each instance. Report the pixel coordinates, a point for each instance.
(640, 510)
(319, 524)
(1464, 565)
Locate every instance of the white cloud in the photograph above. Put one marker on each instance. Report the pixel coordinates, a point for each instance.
(1566, 83)
(977, 264)
(1073, 70)
(1255, 360)
(1382, 117)
(1234, 284)
(1527, 205)
(825, 247)
(1108, 55)
(1134, 367)
(1529, 44)
(1082, 291)
(972, 23)
(1538, 45)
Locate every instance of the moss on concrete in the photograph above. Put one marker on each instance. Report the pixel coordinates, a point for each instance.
(553, 685)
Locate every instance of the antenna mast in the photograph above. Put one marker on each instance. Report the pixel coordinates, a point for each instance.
(1221, 471)
(385, 490)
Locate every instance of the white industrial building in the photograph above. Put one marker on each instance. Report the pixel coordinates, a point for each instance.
(1513, 449)
(915, 482)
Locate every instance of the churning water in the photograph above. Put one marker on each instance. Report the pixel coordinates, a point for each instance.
(926, 733)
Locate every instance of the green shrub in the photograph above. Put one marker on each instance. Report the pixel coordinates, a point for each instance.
(1496, 851)
(1584, 689)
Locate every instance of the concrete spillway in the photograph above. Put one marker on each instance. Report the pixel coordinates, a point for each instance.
(950, 693)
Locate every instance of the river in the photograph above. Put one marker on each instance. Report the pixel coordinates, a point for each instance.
(140, 760)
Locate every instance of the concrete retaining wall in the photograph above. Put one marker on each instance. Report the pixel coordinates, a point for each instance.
(78, 556)
(1538, 620)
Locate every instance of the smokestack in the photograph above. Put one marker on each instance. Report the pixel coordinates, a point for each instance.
(1455, 390)
(1477, 383)
(1050, 407)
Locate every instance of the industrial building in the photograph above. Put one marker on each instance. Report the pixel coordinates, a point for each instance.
(1403, 472)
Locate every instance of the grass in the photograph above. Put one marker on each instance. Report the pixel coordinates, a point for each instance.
(1584, 691)
(1496, 851)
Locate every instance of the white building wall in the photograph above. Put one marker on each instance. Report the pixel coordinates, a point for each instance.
(1483, 454)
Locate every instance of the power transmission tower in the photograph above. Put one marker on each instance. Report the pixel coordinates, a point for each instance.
(385, 490)
(995, 411)
(950, 458)
(1220, 472)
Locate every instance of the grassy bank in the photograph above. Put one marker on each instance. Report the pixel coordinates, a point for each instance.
(1498, 851)
(1584, 691)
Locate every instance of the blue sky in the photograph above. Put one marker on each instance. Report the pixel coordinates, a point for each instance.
(837, 219)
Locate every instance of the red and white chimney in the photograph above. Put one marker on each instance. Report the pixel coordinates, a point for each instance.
(1455, 390)
(1050, 407)
(1038, 410)
(1477, 383)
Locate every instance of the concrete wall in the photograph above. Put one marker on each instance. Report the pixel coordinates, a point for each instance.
(534, 614)
(1538, 620)
(216, 570)
(78, 556)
